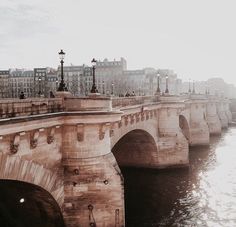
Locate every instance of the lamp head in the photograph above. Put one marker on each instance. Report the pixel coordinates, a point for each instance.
(93, 62)
(62, 54)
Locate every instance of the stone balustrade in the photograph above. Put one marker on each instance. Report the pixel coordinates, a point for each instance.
(133, 100)
(88, 103)
(25, 107)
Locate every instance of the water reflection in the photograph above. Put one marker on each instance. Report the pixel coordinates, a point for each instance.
(203, 195)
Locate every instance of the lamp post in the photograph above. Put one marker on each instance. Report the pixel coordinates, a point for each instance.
(193, 87)
(158, 84)
(94, 89)
(189, 88)
(206, 90)
(103, 87)
(40, 79)
(62, 85)
(112, 88)
(167, 90)
(56, 84)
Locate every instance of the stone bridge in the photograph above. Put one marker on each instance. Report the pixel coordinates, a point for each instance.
(73, 148)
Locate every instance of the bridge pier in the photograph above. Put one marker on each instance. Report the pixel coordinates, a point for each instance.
(222, 115)
(199, 130)
(172, 144)
(93, 183)
(212, 118)
(93, 192)
(227, 111)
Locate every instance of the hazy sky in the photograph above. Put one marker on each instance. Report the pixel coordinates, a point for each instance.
(195, 38)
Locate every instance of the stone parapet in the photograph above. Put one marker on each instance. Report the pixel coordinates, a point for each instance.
(132, 101)
(88, 103)
(10, 108)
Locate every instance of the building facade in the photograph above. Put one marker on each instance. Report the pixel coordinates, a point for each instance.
(21, 80)
(72, 78)
(4, 85)
(111, 78)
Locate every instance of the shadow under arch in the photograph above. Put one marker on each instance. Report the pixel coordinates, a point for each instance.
(19, 169)
(137, 148)
(183, 124)
(25, 204)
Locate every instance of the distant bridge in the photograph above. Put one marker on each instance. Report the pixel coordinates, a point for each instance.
(72, 147)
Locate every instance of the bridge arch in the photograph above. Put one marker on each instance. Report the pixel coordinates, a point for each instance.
(184, 126)
(25, 204)
(137, 148)
(18, 169)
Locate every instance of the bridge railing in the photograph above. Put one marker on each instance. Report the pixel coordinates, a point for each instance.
(26, 107)
(131, 101)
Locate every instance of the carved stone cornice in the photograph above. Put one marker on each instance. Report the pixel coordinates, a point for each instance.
(102, 130)
(137, 116)
(14, 144)
(51, 135)
(34, 135)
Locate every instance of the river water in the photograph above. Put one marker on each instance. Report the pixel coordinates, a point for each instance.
(202, 195)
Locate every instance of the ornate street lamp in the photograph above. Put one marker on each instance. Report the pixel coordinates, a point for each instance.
(158, 84)
(62, 85)
(39, 86)
(56, 84)
(94, 89)
(193, 87)
(189, 87)
(112, 88)
(167, 90)
(103, 87)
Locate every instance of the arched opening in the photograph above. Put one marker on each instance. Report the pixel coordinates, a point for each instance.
(183, 124)
(136, 149)
(25, 205)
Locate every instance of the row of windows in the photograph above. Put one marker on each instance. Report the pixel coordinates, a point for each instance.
(108, 63)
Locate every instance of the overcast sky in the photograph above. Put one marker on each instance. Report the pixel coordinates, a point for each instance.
(195, 38)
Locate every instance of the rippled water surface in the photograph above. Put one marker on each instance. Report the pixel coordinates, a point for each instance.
(203, 195)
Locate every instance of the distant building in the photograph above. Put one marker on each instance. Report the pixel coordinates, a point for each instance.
(108, 74)
(133, 80)
(174, 84)
(4, 83)
(40, 82)
(215, 86)
(21, 80)
(52, 80)
(86, 81)
(72, 78)
(112, 78)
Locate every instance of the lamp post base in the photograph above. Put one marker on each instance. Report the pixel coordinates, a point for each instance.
(94, 95)
(63, 94)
